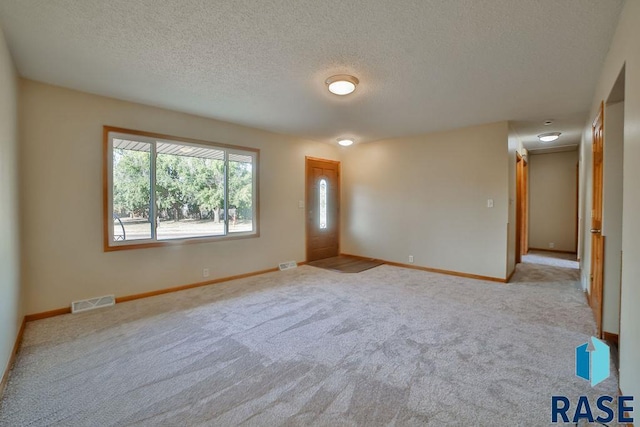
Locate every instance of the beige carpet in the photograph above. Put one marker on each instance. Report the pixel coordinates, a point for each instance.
(553, 259)
(388, 346)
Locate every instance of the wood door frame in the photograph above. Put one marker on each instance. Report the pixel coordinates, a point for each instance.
(519, 161)
(522, 208)
(597, 304)
(577, 209)
(307, 160)
(525, 206)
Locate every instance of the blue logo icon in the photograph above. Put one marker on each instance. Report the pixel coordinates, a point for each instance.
(592, 363)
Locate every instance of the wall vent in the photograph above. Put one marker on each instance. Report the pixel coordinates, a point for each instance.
(92, 303)
(287, 265)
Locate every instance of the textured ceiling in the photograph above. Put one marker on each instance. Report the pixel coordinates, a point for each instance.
(424, 65)
(570, 125)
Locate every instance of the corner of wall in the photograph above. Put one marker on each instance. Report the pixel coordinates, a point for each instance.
(11, 291)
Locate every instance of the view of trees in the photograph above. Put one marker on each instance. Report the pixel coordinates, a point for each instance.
(131, 183)
(186, 187)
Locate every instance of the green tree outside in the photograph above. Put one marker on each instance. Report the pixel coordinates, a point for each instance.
(186, 187)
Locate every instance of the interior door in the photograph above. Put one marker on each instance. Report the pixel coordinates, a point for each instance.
(323, 208)
(597, 241)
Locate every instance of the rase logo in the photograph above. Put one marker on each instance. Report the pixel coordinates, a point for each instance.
(592, 364)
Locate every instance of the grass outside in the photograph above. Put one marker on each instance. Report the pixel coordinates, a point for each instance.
(139, 230)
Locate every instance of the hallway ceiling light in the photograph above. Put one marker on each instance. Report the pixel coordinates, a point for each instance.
(345, 142)
(342, 84)
(549, 137)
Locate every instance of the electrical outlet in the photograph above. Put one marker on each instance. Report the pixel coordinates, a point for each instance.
(205, 272)
(411, 258)
(552, 245)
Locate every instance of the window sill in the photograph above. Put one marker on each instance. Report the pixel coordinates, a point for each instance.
(179, 242)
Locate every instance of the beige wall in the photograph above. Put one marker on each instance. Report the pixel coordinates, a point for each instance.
(552, 200)
(426, 196)
(612, 215)
(511, 231)
(10, 292)
(624, 50)
(586, 199)
(62, 200)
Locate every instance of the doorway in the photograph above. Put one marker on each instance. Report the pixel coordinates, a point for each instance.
(323, 208)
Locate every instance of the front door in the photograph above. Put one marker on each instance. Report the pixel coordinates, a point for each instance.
(323, 208)
(597, 241)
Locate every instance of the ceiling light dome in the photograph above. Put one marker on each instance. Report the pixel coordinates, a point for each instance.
(342, 84)
(345, 142)
(549, 137)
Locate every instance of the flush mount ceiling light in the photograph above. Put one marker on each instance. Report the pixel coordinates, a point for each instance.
(342, 84)
(549, 137)
(345, 142)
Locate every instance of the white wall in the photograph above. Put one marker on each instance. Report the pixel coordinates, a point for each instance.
(624, 49)
(10, 292)
(426, 196)
(552, 200)
(612, 214)
(61, 183)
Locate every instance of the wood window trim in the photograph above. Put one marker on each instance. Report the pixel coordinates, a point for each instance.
(173, 242)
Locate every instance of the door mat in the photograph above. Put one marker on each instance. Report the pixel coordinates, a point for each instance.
(345, 264)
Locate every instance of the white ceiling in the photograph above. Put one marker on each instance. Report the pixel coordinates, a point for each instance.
(571, 127)
(424, 65)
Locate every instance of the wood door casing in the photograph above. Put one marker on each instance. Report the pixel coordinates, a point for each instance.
(323, 240)
(597, 240)
(577, 229)
(525, 207)
(522, 208)
(519, 224)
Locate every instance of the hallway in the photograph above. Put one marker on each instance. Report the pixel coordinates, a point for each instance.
(552, 259)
